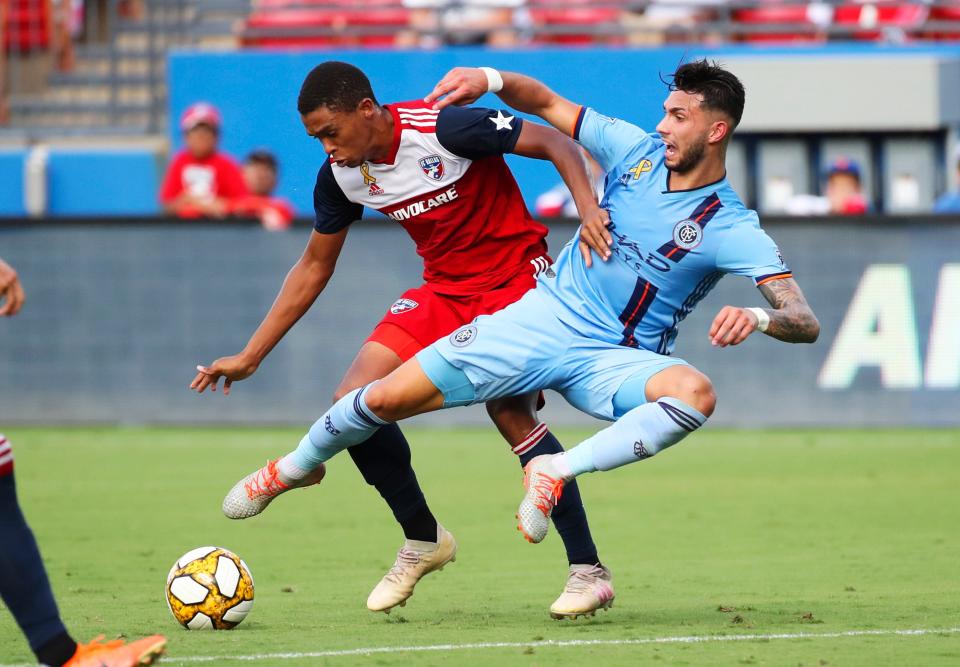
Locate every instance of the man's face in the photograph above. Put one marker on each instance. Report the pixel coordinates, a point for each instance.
(260, 178)
(201, 141)
(685, 130)
(841, 186)
(346, 136)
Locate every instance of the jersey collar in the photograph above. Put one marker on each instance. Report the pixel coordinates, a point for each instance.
(667, 191)
(391, 158)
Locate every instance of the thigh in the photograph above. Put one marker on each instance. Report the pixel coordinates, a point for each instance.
(373, 361)
(509, 353)
(423, 315)
(595, 370)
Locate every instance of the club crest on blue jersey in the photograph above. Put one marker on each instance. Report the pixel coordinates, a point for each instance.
(432, 166)
(402, 306)
(463, 337)
(687, 234)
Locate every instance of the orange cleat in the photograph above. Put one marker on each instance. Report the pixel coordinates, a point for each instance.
(115, 653)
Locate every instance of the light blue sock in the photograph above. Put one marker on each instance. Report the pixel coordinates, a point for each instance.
(347, 423)
(639, 434)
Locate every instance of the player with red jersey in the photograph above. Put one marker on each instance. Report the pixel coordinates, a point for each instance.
(442, 176)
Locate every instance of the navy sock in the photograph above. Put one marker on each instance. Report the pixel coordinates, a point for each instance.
(384, 462)
(569, 516)
(24, 586)
(57, 651)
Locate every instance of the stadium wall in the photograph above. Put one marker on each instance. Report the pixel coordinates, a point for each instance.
(118, 315)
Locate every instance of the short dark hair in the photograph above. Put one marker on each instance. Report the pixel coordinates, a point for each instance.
(264, 157)
(335, 85)
(720, 89)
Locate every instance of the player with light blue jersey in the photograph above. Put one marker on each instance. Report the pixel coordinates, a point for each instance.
(601, 333)
(670, 248)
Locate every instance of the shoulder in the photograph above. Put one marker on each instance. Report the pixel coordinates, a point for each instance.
(326, 186)
(224, 161)
(414, 115)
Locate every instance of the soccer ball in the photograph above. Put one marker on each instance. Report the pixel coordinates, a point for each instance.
(209, 589)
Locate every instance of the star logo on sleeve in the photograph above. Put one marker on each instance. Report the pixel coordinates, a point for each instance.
(502, 122)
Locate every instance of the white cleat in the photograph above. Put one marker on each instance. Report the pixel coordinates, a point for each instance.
(253, 493)
(544, 488)
(415, 560)
(589, 588)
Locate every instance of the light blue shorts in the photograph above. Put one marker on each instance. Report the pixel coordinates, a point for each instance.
(525, 347)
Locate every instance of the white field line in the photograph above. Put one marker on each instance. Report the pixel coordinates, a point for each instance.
(558, 643)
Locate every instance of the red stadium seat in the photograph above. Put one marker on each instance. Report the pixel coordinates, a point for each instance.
(283, 23)
(567, 14)
(943, 13)
(873, 18)
(775, 15)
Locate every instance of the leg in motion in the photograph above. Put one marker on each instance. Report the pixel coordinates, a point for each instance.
(654, 414)
(589, 584)
(25, 590)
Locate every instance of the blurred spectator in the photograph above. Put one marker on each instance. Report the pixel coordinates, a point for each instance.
(201, 181)
(949, 202)
(260, 173)
(558, 202)
(671, 20)
(433, 22)
(843, 193)
(844, 190)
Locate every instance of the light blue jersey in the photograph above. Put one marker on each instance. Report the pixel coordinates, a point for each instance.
(669, 248)
(589, 332)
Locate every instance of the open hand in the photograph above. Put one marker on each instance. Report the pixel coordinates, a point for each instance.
(595, 236)
(11, 293)
(731, 326)
(237, 367)
(461, 85)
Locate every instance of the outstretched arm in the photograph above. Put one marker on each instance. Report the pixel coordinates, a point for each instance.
(304, 283)
(546, 143)
(791, 319)
(464, 85)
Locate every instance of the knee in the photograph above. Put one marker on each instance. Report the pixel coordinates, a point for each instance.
(696, 390)
(383, 402)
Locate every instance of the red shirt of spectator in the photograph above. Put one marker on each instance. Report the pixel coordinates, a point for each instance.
(201, 181)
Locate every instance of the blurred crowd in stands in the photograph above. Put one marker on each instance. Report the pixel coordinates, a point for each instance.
(508, 23)
(203, 182)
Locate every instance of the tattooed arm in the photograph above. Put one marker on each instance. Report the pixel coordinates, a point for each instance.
(791, 319)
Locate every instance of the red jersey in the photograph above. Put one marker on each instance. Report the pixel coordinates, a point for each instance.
(446, 182)
(217, 176)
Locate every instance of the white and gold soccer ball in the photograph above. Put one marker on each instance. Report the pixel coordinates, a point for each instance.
(209, 588)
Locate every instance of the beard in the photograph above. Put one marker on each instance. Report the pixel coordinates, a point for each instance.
(690, 158)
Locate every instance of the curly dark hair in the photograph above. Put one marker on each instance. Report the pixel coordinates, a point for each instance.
(720, 89)
(335, 85)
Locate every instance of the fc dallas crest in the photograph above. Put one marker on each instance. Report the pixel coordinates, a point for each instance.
(432, 166)
(403, 305)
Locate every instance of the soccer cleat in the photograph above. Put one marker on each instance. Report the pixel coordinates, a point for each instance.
(253, 493)
(589, 588)
(414, 560)
(115, 653)
(544, 488)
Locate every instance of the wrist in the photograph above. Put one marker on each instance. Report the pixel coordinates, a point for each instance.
(763, 318)
(494, 80)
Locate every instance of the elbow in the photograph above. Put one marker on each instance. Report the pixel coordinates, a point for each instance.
(813, 331)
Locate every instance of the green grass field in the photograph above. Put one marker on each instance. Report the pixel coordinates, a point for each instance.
(730, 534)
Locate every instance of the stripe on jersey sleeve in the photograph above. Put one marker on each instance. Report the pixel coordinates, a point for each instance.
(575, 133)
(770, 277)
